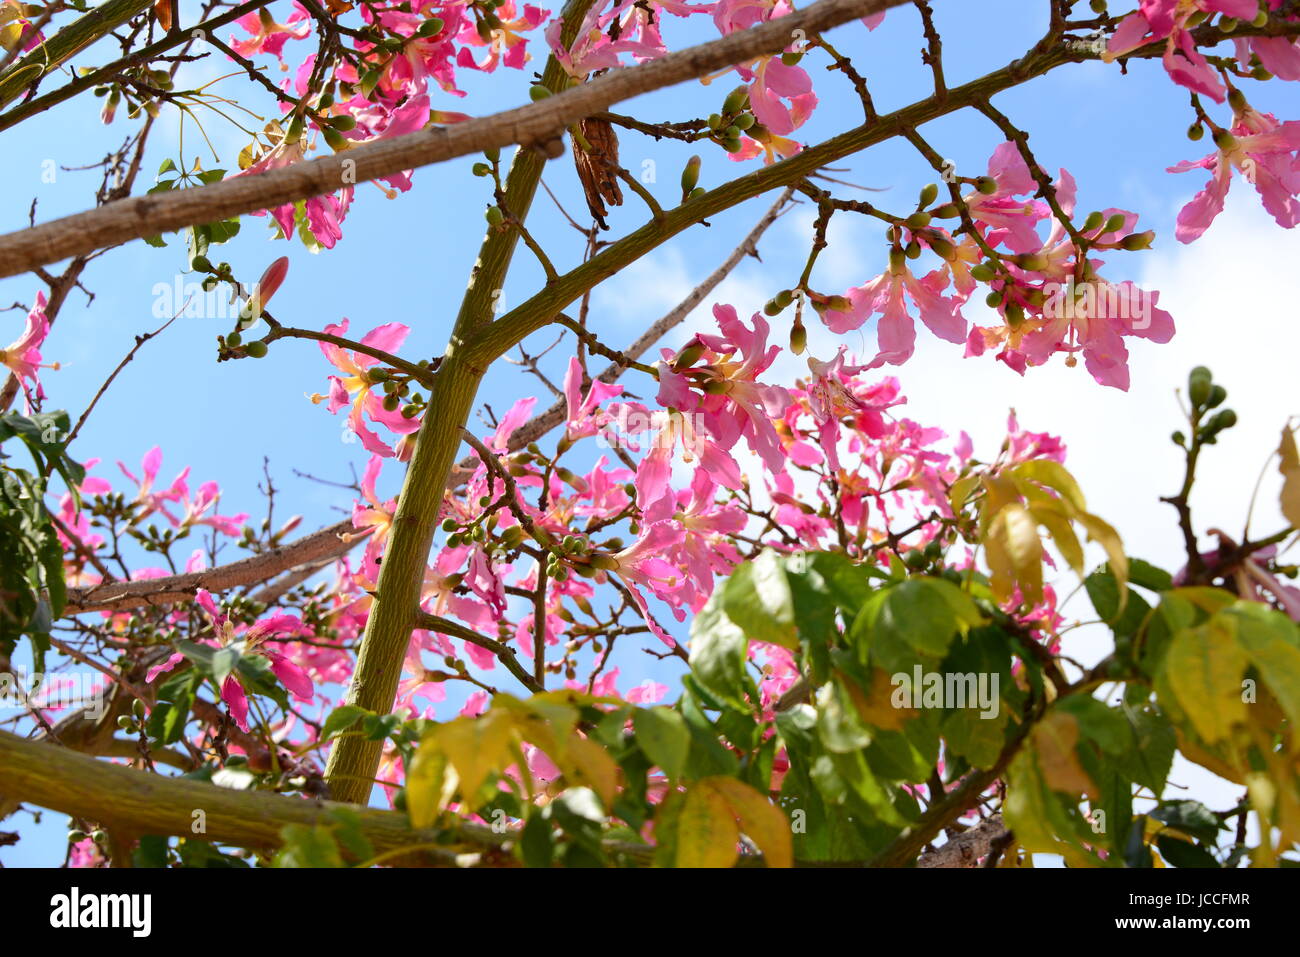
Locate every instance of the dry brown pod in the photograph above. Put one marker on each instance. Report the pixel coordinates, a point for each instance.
(598, 166)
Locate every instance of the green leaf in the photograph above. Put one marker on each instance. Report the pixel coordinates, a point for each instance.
(341, 719)
(1190, 817)
(1180, 853)
(664, 737)
(757, 598)
(719, 650)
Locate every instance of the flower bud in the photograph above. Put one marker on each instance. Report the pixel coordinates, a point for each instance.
(271, 280)
(1093, 222)
(1224, 140)
(495, 216)
(430, 28)
(689, 355)
(1138, 240)
(798, 338)
(1115, 223)
(986, 185)
(255, 349)
(736, 101)
(982, 272)
(538, 92)
(929, 193)
(690, 176)
(918, 220)
(947, 211)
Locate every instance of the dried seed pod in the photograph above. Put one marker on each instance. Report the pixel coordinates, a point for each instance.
(598, 166)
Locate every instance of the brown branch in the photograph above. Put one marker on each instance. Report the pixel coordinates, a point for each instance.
(535, 124)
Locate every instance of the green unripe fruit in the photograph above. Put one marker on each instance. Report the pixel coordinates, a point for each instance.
(233, 339)
(1225, 140)
(691, 174)
(1223, 420)
(336, 140)
(929, 193)
(736, 101)
(798, 338)
(256, 349)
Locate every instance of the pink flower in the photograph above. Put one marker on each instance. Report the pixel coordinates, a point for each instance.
(504, 44)
(374, 515)
(356, 388)
(269, 36)
(775, 82)
(249, 642)
(23, 357)
(1265, 152)
(887, 295)
(1168, 20)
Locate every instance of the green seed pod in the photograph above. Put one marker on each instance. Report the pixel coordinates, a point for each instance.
(1114, 224)
(929, 193)
(256, 349)
(1199, 385)
(737, 100)
(691, 175)
(336, 140)
(798, 338)
(1138, 241)
(1225, 419)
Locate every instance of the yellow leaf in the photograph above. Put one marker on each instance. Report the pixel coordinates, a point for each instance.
(427, 784)
(1204, 666)
(1015, 554)
(706, 830)
(961, 491)
(875, 704)
(762, 821)
(586, 763)
(475, 748)
(1055, 476)
(1058, 526)
(1101, 531)
(1290, 469)
(1055, 739)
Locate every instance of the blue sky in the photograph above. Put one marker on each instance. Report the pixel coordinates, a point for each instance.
(1233, 295)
